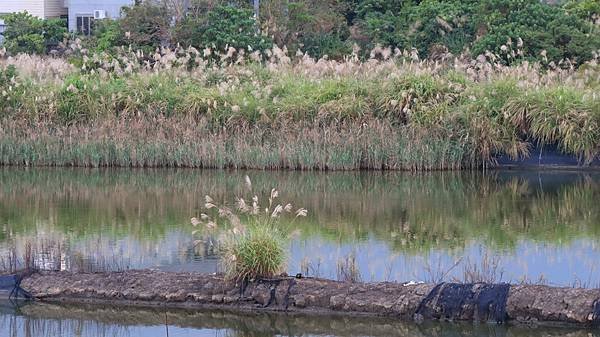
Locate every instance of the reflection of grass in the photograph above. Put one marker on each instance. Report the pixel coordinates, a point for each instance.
(412, 212)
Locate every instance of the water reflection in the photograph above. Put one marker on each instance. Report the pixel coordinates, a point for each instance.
(41, 320)
(541, 224)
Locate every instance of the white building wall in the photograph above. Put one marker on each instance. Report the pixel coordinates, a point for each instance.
(33, 7)
(1, 31)
(87, 7)
(54, 8)
(41, 8)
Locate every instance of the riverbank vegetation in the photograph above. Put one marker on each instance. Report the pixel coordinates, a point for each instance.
(392, 111)
(564, 29)
(212, 90)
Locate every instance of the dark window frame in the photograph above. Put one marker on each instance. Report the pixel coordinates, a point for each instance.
(84, 24)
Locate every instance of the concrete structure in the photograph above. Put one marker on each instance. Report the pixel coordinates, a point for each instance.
(82, 13)
(44, 9)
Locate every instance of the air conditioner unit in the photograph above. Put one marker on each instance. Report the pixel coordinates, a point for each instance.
(99, 14)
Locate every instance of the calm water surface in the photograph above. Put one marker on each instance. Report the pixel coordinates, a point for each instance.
(46, 320)
(536, 226)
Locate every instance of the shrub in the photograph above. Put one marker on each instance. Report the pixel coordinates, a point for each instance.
(334, 45)
(28, 34)
(146, 25)
(7, 78)
(378, 28)
(481, 26)
(83, 97)
(584, 9)
(419, 24)
(259, 251)
(7, 75)
(313, 26)
(547, 32)
(225, 26)
(253, 248)
(444, 23)
(107, 34)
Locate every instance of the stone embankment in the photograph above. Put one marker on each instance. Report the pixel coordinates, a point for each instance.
(446, 301)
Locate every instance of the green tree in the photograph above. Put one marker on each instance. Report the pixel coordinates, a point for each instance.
(234, 27)
(145, 25)
(314, 26)
(438, 23)
(224, 26)
(542, 28)
(584, 9)
(28, 34)
(107, 34)
(375, 21)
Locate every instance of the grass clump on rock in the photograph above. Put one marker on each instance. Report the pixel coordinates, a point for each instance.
(259, 251)
(252, 244)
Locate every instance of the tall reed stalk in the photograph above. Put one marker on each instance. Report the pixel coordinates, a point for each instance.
(174, 108)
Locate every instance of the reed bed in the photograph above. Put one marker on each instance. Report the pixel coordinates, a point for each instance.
(178, 108)
(175, 142)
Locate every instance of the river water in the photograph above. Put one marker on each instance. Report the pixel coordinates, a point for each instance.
(49, 320)
(511, 226)
(534, 226)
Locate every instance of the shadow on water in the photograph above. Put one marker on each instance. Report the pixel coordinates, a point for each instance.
(41, 320)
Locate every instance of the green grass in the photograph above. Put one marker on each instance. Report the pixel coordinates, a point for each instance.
(327, 115)
(258, 252)
(179, 142)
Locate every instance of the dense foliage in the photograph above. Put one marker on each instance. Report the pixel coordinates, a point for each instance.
(585, 9)
(517, 29)
(223, 27)
(482, 25)
(8, 77)
(545, 30)
(28, 34)
(146, 26)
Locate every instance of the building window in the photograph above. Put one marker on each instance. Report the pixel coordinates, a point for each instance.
(85, 24)
(2, 28)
